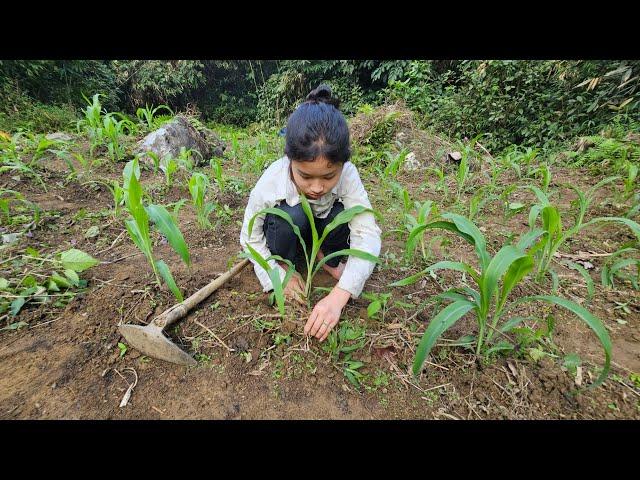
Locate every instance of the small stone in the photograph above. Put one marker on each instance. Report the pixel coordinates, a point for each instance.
(37, 405)
(54, 385)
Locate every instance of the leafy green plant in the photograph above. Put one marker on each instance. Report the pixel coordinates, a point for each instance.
(394, 163)
(617, 267)
(147, 114)
(414, 225)
(378, 301)
(218, 173)
(630, 179)
(554, 236)
(495, 279)
(138, 227)
(198, 185)
(92, 122)
(169, 166)
(312, 266)
(112, 130)
(344, 341)
(13, 200)
(58, 280)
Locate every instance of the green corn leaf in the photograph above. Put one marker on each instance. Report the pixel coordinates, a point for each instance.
(136, 236)
(529, 238)
(307, 211)
(438, 325)
(551, 221)
(284, 215)
(517, 271)
(593, 322)
(344, 217)
(512, 323)
(634, 226)
(347, 251)
(499, 264)
(274, 275)
(542, 197)
(167, 225)
(533, 215)
(164, 271)
(464, 225)
(587, 277)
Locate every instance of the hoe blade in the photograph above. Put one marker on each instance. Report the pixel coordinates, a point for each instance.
(151, 341)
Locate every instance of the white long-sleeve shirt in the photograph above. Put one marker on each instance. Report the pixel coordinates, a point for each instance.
(276, 185)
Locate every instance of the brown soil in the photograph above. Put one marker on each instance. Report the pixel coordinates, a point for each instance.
(67, 364)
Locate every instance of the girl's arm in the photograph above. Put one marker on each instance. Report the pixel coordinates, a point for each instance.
(365, 234)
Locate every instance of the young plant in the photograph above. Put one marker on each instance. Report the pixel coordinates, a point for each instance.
(198, 185)
(169, 166)
(92, 122)
(112, 130)
(378, 301)
(616, 267)
(630, 180)
(414, 226)
(218, 173)
(138, 227)
(394, 163)
(554, 236)
(495, 279)
(312, 266)
(146, 115)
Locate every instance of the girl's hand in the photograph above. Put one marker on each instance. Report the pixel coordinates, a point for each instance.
(295, 289)
(326, 314)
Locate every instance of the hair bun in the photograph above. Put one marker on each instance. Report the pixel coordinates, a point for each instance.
(322, 94)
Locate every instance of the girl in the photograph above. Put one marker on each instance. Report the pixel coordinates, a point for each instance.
(316, 163)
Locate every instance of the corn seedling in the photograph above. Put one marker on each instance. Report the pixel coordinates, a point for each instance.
(92, 122)
(218, 173)
(414, 225)
(169, 166)
(312, 266)
(617, 267)
(630, 180)
(542, 171)
(112, 130)
(495, 279)
(462, 174)
(198, 185)
(394, 163)
(146, 115)
(554, 235)
(138, 227)
(442, 180)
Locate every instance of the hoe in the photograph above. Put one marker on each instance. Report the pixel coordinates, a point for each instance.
(150, 339)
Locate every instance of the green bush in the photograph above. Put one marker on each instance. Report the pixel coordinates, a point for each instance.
(535, 103)
(19, 111)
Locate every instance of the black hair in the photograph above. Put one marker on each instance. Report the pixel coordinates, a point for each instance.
(317, 128)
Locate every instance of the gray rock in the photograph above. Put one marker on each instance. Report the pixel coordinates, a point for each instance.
(60, 136)
(179, 132)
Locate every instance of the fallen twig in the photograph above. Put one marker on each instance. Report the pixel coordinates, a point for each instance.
(214, 336)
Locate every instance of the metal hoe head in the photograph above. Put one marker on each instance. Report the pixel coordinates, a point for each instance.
(151, 341)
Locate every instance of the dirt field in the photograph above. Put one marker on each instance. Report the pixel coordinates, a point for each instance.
(67, 365)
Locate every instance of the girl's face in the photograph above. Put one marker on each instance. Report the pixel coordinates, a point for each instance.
(315, 178)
